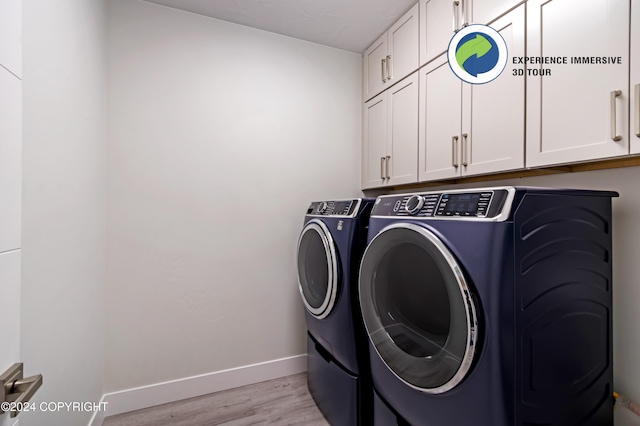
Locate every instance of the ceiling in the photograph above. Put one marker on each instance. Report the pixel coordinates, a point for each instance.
(344, 24)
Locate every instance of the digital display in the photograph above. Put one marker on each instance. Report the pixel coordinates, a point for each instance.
(342, 207)
(463, 204)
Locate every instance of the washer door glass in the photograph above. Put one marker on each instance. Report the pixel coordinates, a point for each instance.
(317, 268)
(417, 308)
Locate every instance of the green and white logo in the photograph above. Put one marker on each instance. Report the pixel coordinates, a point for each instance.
(477, 54)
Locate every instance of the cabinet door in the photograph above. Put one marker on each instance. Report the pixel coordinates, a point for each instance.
(635, 78)
(439, 122)
(403, 49)
(485, 11)
(374, 67)
(493, 113)
(573, 114)
(439, 20)
(374, 143)
(402, 139)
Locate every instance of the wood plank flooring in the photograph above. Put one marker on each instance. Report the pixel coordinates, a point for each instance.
(284, 401)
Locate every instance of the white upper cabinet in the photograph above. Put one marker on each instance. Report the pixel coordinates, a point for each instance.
(393, 56)
(402, 134)
(390, 136)
(634, 89)
(440, 19)
(374, 142)
(580, 111)
(469, 129)
(439, 122)
(375, 67)
(438, 23)
(11, 36)
(485, 11)
(494, 113)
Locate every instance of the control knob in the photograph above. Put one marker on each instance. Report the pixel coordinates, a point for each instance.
(414, 204)
(322, 207)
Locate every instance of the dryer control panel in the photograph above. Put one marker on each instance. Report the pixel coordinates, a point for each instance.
(334, 208)
(476, 204)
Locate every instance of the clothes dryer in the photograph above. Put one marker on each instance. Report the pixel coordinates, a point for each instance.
(330, 247)
(490, 307)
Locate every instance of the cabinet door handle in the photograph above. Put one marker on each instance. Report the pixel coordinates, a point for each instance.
(382, 72)
(454, 154)
(614, 94)
(455, 16)
(382, 168)
(637, 111)
(465, 22)
(388, 67)
(464, 149)
(387, 166)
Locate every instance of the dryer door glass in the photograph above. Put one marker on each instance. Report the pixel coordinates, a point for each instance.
(317, 268)
(417, 308)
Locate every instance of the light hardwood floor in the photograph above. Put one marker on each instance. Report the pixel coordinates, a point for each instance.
(284, 401)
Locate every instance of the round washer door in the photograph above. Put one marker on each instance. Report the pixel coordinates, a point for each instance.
(417, 308)
(317, 269)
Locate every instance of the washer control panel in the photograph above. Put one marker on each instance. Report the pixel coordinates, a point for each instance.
(333, 208)
(469, 204)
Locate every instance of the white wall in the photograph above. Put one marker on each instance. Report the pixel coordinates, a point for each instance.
(219, 137)
(626, 268)
(64, 179)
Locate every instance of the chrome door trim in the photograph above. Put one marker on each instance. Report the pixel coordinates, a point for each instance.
(332, 262)
(470, 308)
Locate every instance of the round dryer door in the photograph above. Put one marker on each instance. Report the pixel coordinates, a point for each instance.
(417, 308)
(317, 269)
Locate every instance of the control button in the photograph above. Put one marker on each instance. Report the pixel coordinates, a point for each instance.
(414, 204)
(396, 207)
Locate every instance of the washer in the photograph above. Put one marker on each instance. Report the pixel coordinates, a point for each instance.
(490, 306)
(329, 251)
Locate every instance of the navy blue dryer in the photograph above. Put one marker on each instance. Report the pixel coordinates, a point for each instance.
(329, 252)
(490, 307)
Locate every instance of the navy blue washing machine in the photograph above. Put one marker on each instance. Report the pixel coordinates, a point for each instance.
(329, 251)
(490, 307)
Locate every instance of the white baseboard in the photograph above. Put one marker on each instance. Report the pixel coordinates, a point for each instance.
(176, 390)
(98, 416)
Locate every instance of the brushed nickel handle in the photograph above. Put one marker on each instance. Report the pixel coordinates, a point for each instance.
(454, 156)
(464, 149)
(637, 111)
(388, 67)
(382, 168)
(614, 133)
(382, 71)
(387, 166)
(455, 16)
(25, 388)
(465, 21)
(16, 389)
